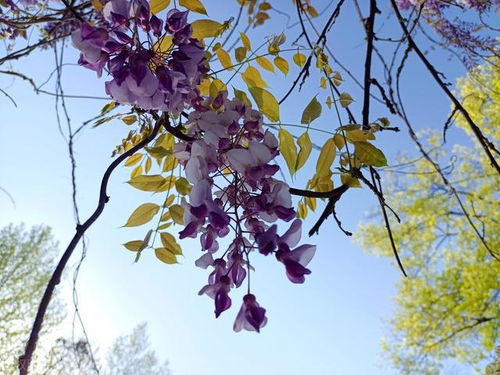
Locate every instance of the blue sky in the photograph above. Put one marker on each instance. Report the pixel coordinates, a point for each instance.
(332, 324)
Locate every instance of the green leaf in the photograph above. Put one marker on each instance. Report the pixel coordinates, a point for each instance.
(325, 159)
(156, 6)
(288, 149)
(311, 112)
(305, 145)
(266, 102)
(194, 5)
(142, 214)
(205, 29)
(370, 155)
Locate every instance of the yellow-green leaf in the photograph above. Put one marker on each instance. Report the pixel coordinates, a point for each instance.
(129, 120)
(288, 149)
(194, 5)
(305, 145)
(240, 53)
(350, 181)
(224, 58)
(139, 245)
(246, 41)
(164, 226)
(168, 241)
(322, 82)
(369, 154)
(142, 214)
(265, 6)
(108, 107)
(358, 135)
(137, 171)
(148, 183)
(339, 140)
(311, 112)
(177, 213)
(241, 95)
(337, 79)
(134, 159)
(182, 186)
(147, 165)
(165, 256)
(265, 63)
(216, 86)
(133, 245)
(301, 211)
(170, 199)
(252, 78)
(205, 29)
(156, 6)
(282, 64)
(266, 102)
(345, 99)
(169, 163)
(311, 203)
(325, 159)
(329, 101)
(299, 59)
(164, 44)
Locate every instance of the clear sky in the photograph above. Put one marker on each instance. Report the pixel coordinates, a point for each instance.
(332, 324)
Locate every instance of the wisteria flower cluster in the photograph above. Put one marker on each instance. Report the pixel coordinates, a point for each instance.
(127, 42)
(433, 5)
(228, 162)
(468, 37)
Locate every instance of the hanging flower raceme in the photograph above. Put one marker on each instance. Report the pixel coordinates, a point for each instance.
(147, 70)
(234, 190)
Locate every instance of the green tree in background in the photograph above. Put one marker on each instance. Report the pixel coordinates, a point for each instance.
(494, 367)
(132, 355)
(128, 355)
(27, 258)
(449, 306)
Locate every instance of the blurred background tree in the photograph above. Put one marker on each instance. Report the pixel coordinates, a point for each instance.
(27, 259)
(449, 306)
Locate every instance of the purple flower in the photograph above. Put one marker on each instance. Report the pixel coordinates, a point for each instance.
(295, 262)
(218, 287)
(251, 316)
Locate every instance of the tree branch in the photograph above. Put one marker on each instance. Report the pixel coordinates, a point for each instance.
(485, 143)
